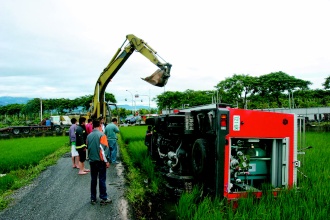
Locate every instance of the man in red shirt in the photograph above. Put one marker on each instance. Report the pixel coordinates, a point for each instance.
(89, 126)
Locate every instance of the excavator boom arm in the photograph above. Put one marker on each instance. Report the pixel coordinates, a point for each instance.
(165, 68)
(158, 78)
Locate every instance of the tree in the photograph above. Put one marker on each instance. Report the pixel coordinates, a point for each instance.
(3, 110)
(326, 84)
(272, 85)
(32, 106)
(86, 101)
(169, 100)
(238, 88)
(195, 98)
(109, 97)
(15, 109)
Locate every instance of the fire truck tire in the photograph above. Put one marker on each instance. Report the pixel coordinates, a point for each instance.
(199, 156)
(16, 131)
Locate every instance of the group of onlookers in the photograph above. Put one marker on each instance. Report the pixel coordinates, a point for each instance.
(100, 142)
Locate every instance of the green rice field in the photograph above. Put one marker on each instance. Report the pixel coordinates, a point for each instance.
(140, 166)
(25, 152)
(22, 159)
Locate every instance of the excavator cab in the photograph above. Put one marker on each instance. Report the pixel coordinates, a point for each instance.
(109, 114)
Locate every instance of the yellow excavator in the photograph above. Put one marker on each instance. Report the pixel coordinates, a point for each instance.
(99, 107)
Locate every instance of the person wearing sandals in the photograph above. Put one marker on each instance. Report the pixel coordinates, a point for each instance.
(81, 146)
(98, 154)
(72, 136)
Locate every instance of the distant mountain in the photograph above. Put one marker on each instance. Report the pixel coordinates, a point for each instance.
(7, 100)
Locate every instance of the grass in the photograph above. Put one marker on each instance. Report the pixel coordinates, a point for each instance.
(26, 152)
(21, 160)
(141, 175)
(135, 192)
(6, 182)
(133, 133)
(141, 167)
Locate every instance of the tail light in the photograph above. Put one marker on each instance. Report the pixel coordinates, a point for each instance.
(223, 122)
(176, 111)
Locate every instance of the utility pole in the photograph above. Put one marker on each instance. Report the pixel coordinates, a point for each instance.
(149, 102)
(40, 110)
(132, 100)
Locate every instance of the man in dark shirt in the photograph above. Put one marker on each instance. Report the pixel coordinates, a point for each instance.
(98, 154)
(81, 146)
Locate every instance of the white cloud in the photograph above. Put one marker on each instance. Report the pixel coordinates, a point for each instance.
(57, 49)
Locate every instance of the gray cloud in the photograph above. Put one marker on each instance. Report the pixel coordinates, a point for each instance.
(57, 49)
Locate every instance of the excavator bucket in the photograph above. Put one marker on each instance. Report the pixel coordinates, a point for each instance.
(158, 78)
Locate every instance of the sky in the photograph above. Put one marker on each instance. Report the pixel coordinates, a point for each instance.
(58, 48)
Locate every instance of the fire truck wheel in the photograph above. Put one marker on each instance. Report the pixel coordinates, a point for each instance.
(199, 157)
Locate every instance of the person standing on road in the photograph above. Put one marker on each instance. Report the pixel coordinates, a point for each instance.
(98, 155)
(89, 129)
(102, 126)
(81, 146)
(110, 131)
(72, 136)
(89, 126)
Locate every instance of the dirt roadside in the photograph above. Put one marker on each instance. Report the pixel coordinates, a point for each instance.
(60, 193)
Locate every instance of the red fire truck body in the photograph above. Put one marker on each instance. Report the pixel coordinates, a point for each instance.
(279, 163)
(229, 151)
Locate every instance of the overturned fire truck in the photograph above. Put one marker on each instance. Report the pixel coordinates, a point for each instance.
(229, 151)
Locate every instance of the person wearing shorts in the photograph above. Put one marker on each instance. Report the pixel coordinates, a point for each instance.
(81, 146)
(72, 136)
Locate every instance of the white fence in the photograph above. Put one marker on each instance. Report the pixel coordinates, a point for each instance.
(319, 113)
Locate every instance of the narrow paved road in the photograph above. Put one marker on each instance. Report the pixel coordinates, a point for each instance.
(60, 193)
